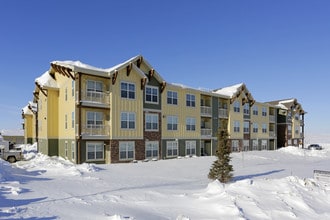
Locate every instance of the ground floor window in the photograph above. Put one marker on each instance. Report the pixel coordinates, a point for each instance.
(95, 151)
(152, 148)
(254, 144)
(190, 147)
(126, 150)
(172, 148)
(234, 145)
(246, 145)
(73, 149)
(264, 145)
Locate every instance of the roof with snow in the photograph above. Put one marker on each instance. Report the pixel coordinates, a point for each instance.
(46, 81)
(235, 91)
(287, 104)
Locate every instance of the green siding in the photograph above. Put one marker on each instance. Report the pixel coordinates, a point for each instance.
(215, 116)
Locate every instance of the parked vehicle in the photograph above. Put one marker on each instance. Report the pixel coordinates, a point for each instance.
(314, 147)
(7, 154)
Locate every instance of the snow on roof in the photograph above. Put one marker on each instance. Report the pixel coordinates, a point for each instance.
(26, 110)
(45, 80)
(230, 90)
(120, 65)
(12, 132)
(74, 64)
(287, 101)
(280, 105)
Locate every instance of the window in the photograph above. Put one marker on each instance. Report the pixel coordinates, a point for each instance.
(255, 110)
(72, 119)
(126, 150)
(94, 89)
(190, 124)
(236, 126)
(289, 129)
(246, 145)
(73, 150)
(264, 111)
(66, 121)
(234, 145)
(246, 127)
(172, 123)
(172, 97)
(172, 148)
(127, 120)
(151, 94)
(94, 119)
(151, 122)
(127, 90)
(296, 129)
(190, 147)
(236, 106)
(254, 144)
(264, 128)
(264, 145)
(66, 149)
(255, 128)
(190, 100)
(246, 109)
(72, 88)
(95, 150)
(152, 149)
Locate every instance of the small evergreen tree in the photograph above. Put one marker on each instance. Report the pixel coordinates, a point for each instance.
(221, 168)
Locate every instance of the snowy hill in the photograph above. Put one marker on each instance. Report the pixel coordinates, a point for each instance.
(267, 185)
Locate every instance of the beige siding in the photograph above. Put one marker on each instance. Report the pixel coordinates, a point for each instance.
(182, 111)
(66, 107)
(260, 120)
(119, 105)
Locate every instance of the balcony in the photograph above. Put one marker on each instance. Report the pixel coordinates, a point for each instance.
(95, 131)
(223, 113)
(206, 132)
(94, 99)
(272, 134)
(206, 111)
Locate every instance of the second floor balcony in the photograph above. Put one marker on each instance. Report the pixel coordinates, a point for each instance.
(206, 111)
(94, 98)
(206, 132)
(223, 113)
(95, 131)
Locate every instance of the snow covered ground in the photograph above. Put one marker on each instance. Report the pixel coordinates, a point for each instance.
(267, 185)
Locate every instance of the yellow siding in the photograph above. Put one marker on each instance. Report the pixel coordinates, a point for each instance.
(52, 113)
(28, 126)
(119, 105)
(259, 119)
(42, 116)
(65, 107)
(236, 116)
(182, 111)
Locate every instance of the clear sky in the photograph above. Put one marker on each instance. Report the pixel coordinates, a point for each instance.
(278, 48)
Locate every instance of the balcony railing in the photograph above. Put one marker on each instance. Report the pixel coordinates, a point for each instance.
(206, 111)
(272, 134)
(223, 113)
(206, 132)
(95, 130)
(271, 118)
(94, 97)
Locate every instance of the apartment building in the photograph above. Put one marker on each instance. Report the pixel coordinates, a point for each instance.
(129, 112)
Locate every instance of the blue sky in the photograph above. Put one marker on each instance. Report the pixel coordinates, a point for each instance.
(279, 49)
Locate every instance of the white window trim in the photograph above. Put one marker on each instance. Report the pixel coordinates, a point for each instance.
(177, 148)
(191, 145)
(128, 114)
(190, 101)
(145, 96)
(153, 144)
(127, 143)
(94, 143)
(127, 98)
(177, 98)
(177, 124)
(151, 114)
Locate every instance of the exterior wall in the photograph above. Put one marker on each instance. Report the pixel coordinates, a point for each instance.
(260, 120)
(28, 129)
(119, 105)
(52, 114)
(182, 112)
(235, 116)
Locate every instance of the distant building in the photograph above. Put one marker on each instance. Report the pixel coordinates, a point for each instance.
(129, 112)
(13, 136)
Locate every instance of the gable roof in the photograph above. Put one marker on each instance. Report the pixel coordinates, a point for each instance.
(234, 91)
(287, 104)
